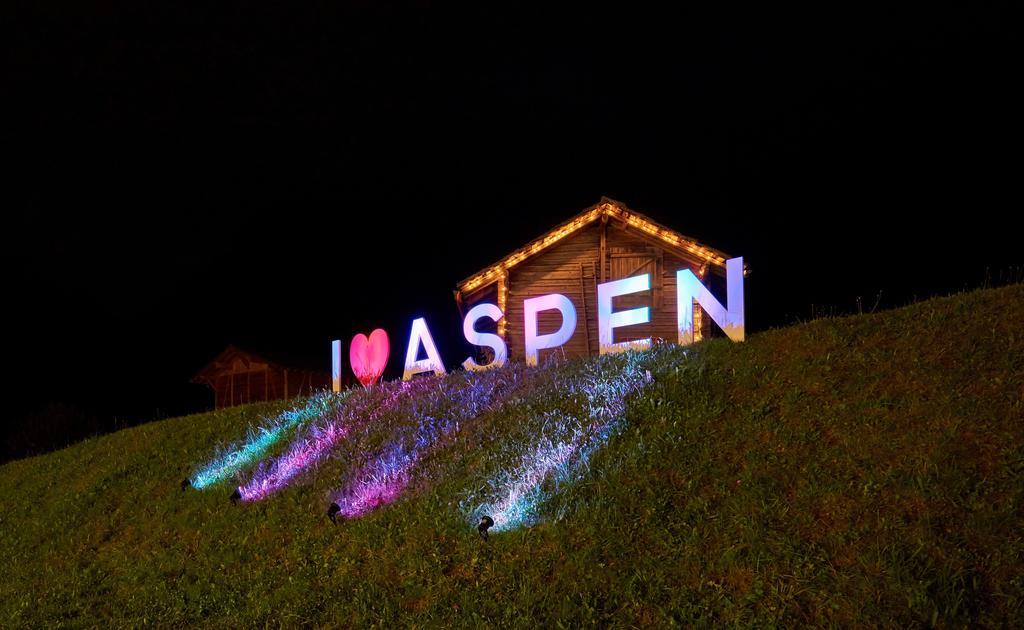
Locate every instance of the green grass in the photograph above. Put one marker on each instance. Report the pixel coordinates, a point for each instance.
(865, 470)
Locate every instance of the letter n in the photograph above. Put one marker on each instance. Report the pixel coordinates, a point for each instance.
(690, 292)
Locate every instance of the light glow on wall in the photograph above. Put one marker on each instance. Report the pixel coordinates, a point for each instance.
(420, 335)
(607, 321)
(535, 342)
(690, 290)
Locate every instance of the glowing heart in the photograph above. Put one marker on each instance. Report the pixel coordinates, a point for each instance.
(368, 357)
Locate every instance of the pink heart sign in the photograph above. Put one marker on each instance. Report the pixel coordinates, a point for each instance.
(368, 357)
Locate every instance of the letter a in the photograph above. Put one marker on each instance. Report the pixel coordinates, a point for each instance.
(420, 334)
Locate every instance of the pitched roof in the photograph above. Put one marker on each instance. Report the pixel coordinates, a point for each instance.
(613, 209)
(272, 359)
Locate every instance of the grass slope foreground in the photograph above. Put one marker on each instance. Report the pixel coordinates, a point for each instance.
(866, 470)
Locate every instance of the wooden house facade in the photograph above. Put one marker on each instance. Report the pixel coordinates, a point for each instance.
(605, 242)
(239, 377)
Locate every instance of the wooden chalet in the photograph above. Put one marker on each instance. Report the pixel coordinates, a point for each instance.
(605, 242)
(239, 377)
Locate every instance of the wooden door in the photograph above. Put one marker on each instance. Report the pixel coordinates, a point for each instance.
(627, 262)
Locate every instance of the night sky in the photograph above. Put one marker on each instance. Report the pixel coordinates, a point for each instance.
(182, 176)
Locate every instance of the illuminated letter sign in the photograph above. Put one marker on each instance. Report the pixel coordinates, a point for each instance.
(607, 321)
(421, 335)
(535, 342)
(369, 356)
(336, 365)
(690, 289)
(492, 341)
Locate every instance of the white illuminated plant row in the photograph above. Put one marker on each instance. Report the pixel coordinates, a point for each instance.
(368, 356)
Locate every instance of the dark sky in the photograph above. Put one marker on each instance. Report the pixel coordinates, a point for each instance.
(185, 175)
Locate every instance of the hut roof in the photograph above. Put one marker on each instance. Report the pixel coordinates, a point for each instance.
(616, 210)
(273, 359)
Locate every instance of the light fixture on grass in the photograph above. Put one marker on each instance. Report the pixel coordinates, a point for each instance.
(486, 522)
(236, 496)
(332, 512)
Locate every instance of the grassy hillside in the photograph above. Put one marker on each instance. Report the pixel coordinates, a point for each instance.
(866, 470)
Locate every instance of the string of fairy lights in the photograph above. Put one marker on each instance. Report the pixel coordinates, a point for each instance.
(499, 272)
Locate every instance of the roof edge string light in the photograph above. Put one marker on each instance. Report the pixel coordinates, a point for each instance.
(531, 249)
(604, 209)
(502, 303)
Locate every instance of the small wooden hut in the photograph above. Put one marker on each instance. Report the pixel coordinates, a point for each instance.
(239, 377)
(605, 242)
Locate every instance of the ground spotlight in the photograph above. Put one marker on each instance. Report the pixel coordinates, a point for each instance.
(236, 496)
(486, 522)
(332, 512)
(186, 484)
